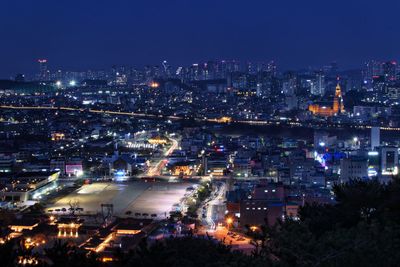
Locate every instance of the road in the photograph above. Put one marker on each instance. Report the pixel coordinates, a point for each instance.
(217, 198)
(146, 115)
(156, 168)
(236, 240)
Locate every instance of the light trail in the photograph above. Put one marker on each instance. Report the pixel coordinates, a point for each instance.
(156, 170)
(145, 115)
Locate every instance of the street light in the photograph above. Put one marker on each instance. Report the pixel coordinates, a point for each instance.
(229, 221)
(253, 228)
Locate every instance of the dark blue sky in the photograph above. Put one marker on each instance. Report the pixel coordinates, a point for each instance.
(81, 34)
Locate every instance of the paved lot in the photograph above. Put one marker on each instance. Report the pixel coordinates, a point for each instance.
(137, 197)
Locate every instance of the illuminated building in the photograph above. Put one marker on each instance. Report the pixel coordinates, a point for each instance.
(57, 136)
(58, 164)
(154, 84)
(289, 85)
(389, 70)
(68, 228)
(23, 224)
(27, 260)
(114, 235)
(241, 166)
(182, 168)
(224, 119)
(393, 91)
(159, 140)
(318, 87)
(260, 211)
(26, 186)
(215, 164)
(7, 162)
(43, 71)
(246, 93)
(121, 79)
(24, 88)
(389, 160)
(372, 69)
(74, 167)
(327, 111)
(375, 137)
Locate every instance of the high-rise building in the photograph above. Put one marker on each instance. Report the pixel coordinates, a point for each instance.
(393, 91)
(289, 85)
(373, 69)
(43, 70)
(271, 67)
(389, 70)
(318, 87)
(389, 160)
(375, 137)
(251, 68)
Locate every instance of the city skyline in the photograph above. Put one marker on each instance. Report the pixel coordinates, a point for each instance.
(199, 133)
(76, 36)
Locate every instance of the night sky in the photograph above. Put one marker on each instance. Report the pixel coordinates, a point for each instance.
(82, 34)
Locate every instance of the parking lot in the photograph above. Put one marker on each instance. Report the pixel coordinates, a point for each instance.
(127, 198)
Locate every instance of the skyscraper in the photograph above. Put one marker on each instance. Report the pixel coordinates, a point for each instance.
(289, 85)
(318, 87)
(373, 69)
(43, 71)
(389, 70)
(375, 137)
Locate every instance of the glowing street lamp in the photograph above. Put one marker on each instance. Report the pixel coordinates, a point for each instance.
(229, 221)
(72, 83)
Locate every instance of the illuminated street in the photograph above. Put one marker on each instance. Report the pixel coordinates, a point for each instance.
(158, 164)
(146, 115)
(217, 198)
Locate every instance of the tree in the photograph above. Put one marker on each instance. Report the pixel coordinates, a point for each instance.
(359, 230)
(66, 254)
(189, 252)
